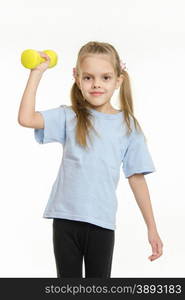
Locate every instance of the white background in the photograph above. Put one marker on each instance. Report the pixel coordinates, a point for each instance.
(150, 37)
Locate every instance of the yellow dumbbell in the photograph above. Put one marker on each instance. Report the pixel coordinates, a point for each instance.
(30, 59)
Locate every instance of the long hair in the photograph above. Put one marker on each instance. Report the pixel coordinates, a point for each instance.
(80, 107)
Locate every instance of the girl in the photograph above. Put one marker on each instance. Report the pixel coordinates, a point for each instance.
(96, 140)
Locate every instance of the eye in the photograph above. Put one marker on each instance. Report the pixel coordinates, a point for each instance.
(86, 77)
(89, 77)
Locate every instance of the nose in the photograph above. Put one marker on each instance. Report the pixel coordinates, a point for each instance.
(96, 84)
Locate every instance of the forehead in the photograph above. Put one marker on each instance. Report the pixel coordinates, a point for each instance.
(96, 64)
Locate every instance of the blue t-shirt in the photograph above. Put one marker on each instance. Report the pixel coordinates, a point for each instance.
(85, 186)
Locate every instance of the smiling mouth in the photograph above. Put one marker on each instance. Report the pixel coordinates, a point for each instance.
(96, 93)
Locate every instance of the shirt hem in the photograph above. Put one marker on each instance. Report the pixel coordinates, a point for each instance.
(141, 171)
(79, 218)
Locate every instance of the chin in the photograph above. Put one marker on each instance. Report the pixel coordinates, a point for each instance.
(95, 104)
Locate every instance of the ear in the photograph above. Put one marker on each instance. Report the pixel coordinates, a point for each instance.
(119, 81)
(77, 82)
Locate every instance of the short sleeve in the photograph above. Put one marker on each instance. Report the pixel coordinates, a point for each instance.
(137, 158)
(54, 126)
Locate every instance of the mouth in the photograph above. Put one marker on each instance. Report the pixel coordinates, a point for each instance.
(96, 93)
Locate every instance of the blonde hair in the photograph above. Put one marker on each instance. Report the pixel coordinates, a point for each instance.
(80, 107)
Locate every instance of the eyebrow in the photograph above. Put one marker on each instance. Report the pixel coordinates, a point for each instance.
(102, 73)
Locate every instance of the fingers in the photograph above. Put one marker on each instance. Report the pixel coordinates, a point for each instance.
(153, 257)
(156, 251)
(44, 55)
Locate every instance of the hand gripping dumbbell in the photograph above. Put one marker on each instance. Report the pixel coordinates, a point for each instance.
(31, 58)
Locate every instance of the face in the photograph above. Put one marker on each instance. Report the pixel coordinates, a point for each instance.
(97, 75)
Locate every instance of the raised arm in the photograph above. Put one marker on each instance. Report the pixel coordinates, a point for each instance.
(27, 115)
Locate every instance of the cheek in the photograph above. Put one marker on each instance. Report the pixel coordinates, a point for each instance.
(111, 87)
(86, 85)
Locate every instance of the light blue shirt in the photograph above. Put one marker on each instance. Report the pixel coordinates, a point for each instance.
(85, 186)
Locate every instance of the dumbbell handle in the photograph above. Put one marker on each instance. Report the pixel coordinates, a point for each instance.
(30, 58)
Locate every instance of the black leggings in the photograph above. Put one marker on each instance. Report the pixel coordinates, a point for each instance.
(73, 240)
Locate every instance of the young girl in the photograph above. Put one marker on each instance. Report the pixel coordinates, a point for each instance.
(96, 140)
